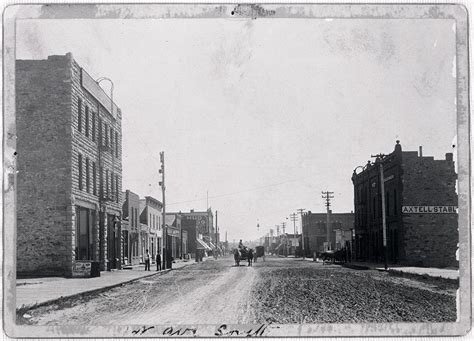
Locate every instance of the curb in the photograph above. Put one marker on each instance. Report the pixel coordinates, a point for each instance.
(88, 292)
(98, 290)
(355, 267)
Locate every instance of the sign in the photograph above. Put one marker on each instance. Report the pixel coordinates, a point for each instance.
(173, 232)
(81, 269)
(429, 209)
(388, 178)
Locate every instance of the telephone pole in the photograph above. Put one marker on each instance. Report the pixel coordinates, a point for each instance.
(328, 196)
(216, 235)
(300, 211)
(283, 225)
(294, 218)
(379, 160)
(164, 239)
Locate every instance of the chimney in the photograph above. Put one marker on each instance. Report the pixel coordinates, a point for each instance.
(421, 151)
(449, 156)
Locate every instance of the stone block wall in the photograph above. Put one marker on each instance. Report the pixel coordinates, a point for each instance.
(43, 121)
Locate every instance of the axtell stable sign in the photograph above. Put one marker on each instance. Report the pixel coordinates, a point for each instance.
(429, 209)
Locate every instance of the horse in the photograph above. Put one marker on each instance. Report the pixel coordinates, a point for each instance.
(250, 257)
(237, 257)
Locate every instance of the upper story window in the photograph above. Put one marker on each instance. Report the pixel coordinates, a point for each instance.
(79, 115)
(87, 121)
(79, 165)
(111, 140)
(94, 179)
(106, 129)
(100, 131)
(93, 125)
(87, 176)
(117, 188)
(116, 144)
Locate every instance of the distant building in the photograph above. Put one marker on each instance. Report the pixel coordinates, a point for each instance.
(315, 231)
(131, 246)
(69, 144)
(151, 227)
(199, 229)
(420, 210)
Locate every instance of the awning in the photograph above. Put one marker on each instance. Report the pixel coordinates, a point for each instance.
(212, 245)
(201, 244)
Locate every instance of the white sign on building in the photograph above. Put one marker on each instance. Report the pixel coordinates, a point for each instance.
(429, 209)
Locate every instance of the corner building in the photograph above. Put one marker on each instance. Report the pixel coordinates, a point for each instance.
(69, 144)
(420, 210)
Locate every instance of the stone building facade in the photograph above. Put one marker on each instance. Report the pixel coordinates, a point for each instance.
(420, 210)
(69, 145)
(315, 230)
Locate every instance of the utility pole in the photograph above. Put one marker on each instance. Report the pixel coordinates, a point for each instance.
(328, 196)
(283, 225)
(300, 211)
(294, 218)
(164, 239)
(216, 234)
(379, 160)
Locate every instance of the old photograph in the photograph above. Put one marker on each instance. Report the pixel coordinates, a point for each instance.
(236, 170)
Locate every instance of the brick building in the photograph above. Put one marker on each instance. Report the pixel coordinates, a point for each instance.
(420, 205)
(69, 145)
(130, 228)
(315, 231)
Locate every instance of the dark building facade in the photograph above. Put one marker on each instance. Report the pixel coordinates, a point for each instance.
(69, 144)
(315, 230)
(130, 228)
(420, 210)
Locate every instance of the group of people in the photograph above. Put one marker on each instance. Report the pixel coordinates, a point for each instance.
(148, 261)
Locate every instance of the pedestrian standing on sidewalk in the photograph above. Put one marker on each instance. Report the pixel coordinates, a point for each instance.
(147, 261)
(158, 262)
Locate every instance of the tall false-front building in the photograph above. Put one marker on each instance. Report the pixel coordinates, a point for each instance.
(69, 145)
(420, 209)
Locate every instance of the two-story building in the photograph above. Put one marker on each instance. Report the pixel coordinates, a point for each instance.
(420, 209)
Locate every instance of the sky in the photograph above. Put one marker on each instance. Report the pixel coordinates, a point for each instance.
(258, 117)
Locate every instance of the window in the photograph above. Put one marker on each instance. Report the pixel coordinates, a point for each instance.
(117, 188)
(394, 202)
(93, 126)
(111, 185)
(111, 140)
(100, 132)
(94, 179)
(87, 121)
(101, 182)
(80, 170)
(116, 144)
(136, 217)
(79, 115)
(132, 218)
(107, 183)
(87, 176)
(106, 128)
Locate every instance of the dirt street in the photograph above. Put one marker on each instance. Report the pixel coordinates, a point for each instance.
(278, 291)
